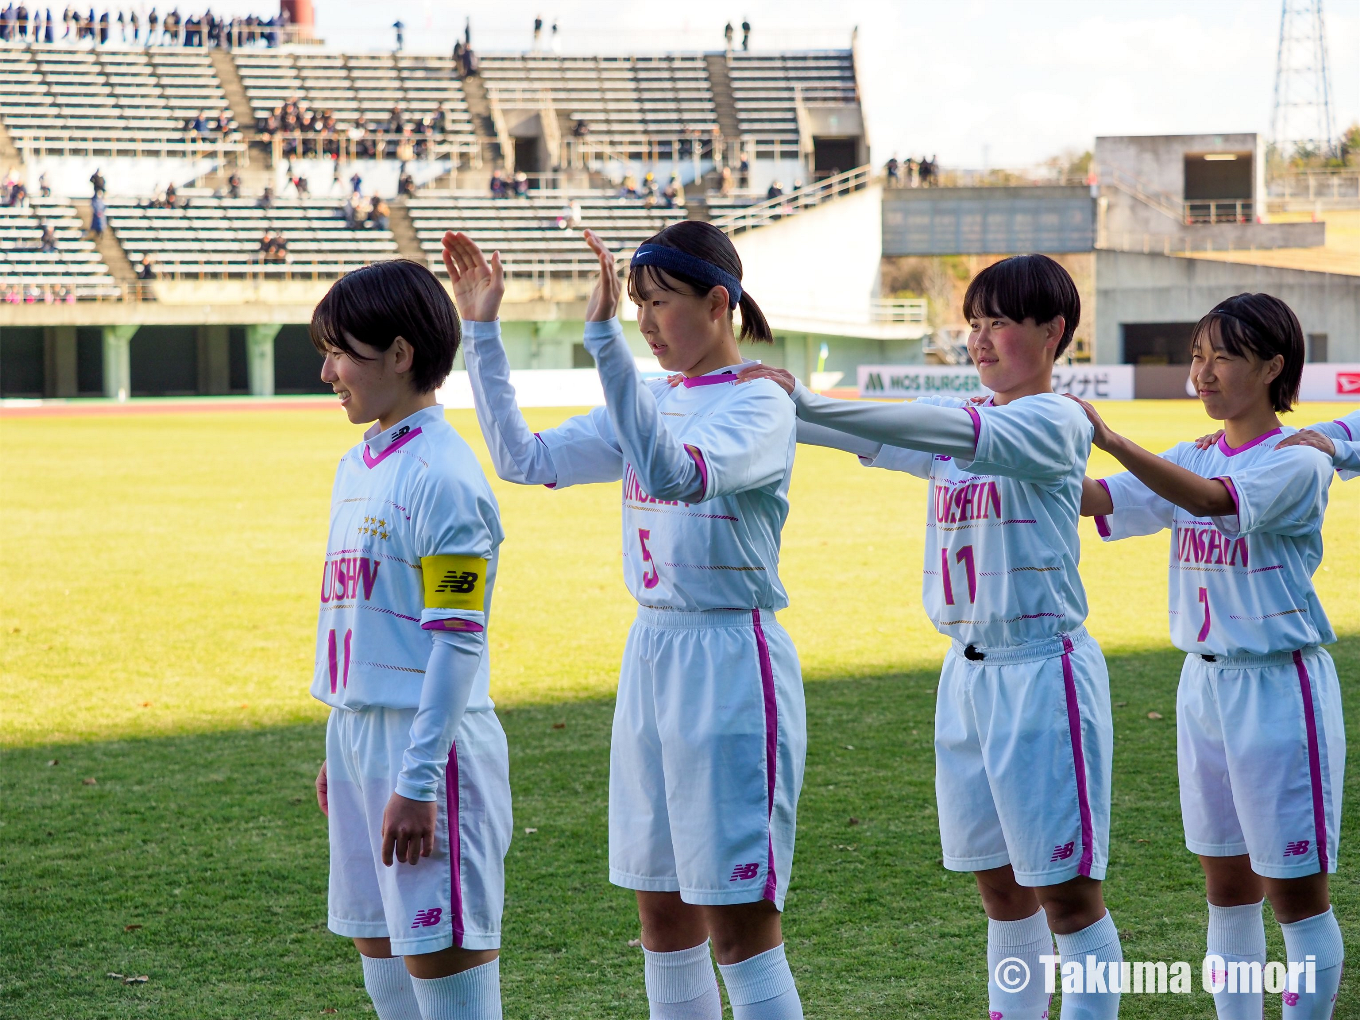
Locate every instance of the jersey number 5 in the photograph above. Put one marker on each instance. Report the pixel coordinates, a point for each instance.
(652, 579)
(964, 556)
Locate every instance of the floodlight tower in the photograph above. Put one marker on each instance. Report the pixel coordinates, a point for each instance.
(1302, 115)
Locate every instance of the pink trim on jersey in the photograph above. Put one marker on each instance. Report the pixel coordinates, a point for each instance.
(1078, 760)
(373, 461)
(698, 456)
(455, 624)
(1102, 521)
(1229, 451)
(1349, 434)
(1314, 763)
(977, 424)
(455, 846)
(771, 742)
(708, 380)
(1232, 491)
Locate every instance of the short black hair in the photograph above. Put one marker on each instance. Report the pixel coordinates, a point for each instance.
(704, 241)
(1026, 287)
(386, 300)
(1265, 326)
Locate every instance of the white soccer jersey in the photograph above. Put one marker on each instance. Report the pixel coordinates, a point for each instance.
(1345, 436)
(1240, 584)
(1001, 531)
(413, 545)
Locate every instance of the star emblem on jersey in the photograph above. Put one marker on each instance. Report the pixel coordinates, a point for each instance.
(428, 917)
(376, 527)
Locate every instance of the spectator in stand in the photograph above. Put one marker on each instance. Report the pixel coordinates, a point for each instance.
(223, 125)
(280, 252)
(728, 33)
(894, 169)
(927, 171)
(152, 21)
(44, 188)
(538, 34)
(629, 188)
(380, 215)
(97, 216)
(406, 184)
(745, 34)
(171, 195)
(146, 269)
(469, 62)
(776, 189)
(97, 182)
(266, 199)
(498, 183)
(581, 128)
(300, 185)
(458, 58)
(234, 185)
(48, 242)
(725, 182)
(522, 184)
(673, 194)
(266, 247)
(355, 214)
(556, 43)
(356, 183)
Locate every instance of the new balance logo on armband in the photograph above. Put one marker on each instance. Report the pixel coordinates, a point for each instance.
(744, 872)
(427, 918)
(1297, 848)
(457, 582)
(1061, 853)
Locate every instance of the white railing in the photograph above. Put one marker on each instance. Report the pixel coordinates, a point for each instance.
(1316, 184)
(375, 145)
(124, 143)
(1137, 188)
(911, 311)
(794, 202)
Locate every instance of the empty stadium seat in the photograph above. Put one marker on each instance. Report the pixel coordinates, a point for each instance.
(75, 264)
(763, 88)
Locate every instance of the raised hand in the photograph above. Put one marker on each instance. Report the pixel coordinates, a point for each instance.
(604, 299)
(478, 286)
(1307, 437)
(781, 377)
(1204, 442)
(1104, 437)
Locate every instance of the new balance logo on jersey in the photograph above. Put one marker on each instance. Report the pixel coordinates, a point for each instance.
(343, 577)
(427, 918)
(1297, 848)
(1061, 853)
(744, 872)
(972, 501)
(1208, 545)
(457, 582)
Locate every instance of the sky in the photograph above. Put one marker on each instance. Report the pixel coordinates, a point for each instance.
(996, 83)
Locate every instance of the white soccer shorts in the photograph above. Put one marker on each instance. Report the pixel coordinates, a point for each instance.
(706, 761)
(1261, 751)
(1023, 744)
(453, 897)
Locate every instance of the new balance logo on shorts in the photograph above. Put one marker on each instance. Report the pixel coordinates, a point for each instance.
(744, 872)
(1061, 853)
(1297, 848)
(427, 918)
(459, 582)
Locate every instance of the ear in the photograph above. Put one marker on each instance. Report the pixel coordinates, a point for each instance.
(718, 303)
(1271, 369)
(403, 355)
(1054, 330)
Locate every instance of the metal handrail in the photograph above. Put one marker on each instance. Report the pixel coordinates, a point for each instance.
(807, 197)
(1136, 187)
(340, 142)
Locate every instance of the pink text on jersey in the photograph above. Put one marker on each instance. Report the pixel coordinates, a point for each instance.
(635, 493)
(1209, 545)
(342, 578)
(971, 501)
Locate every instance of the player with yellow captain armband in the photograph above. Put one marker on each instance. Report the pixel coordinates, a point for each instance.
(416, 781)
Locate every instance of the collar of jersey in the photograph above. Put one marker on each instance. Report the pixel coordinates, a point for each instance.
(728, 373)
(379, 443)
(1229, 451)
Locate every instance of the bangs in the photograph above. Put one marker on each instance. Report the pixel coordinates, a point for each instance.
(646, 280)
(1025, 287)
(1232, 334)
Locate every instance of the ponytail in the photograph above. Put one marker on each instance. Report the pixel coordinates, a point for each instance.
(753, 324)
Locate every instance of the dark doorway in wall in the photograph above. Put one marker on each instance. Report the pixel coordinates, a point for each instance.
(238, 375)
(1218, 176)
(1157, 343)
(527, 155)
(297, 365)
(164, 361)
(90, 361)
(21, 361)
(1317, 346)
(832, 156)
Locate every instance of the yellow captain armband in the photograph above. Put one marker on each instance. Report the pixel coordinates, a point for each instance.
(454, 582)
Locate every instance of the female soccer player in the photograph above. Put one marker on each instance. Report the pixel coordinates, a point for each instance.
(706, 759)
(1260, 740)
(1338, 439)
(1023, 732)
(416, 781)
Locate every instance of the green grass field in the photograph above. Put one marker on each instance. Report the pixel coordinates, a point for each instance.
(156, 627)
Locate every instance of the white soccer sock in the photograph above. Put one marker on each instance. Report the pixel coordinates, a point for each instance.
(761, 988)
(1320, 937)
(1092, 946)
(1239, 936)
(389, 986)
(469, 995)
(1025, 941)
(682, 985)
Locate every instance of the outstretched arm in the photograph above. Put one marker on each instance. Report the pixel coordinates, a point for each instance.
(951, 431)
(478, 287)
(666, 468)
(1204, 497)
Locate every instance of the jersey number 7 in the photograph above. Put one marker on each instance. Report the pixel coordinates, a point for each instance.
(964, 556)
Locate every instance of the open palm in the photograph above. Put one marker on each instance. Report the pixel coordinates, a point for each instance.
(478, 286)
(604, 299)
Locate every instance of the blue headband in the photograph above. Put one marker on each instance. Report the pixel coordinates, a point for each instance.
(674, 260)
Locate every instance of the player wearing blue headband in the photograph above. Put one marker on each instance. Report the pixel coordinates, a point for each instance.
(706, 761)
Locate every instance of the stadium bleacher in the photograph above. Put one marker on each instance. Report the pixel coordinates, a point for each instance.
(55, 95)
(764, 88)
(74, 269)
(217, 237)
(526, 232)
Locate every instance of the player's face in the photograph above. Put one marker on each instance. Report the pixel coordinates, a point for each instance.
(1009, 354)
(369, 385)
(1230, 385)
(681, 329)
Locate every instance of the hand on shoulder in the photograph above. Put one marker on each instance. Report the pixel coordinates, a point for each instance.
(1309, 438)
(781, 377)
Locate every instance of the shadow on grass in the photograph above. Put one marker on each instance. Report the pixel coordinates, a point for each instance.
(200, 861)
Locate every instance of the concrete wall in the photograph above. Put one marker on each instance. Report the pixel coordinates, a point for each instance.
(1155, 288)
(1159, 160)
(974, 221)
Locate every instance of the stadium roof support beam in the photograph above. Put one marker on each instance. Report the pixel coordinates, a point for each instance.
(260, 357)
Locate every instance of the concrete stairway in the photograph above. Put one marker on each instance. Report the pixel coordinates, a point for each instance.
(225, 67)
(404, 232)
(110, 250)
(479, 106)
(721, 82)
